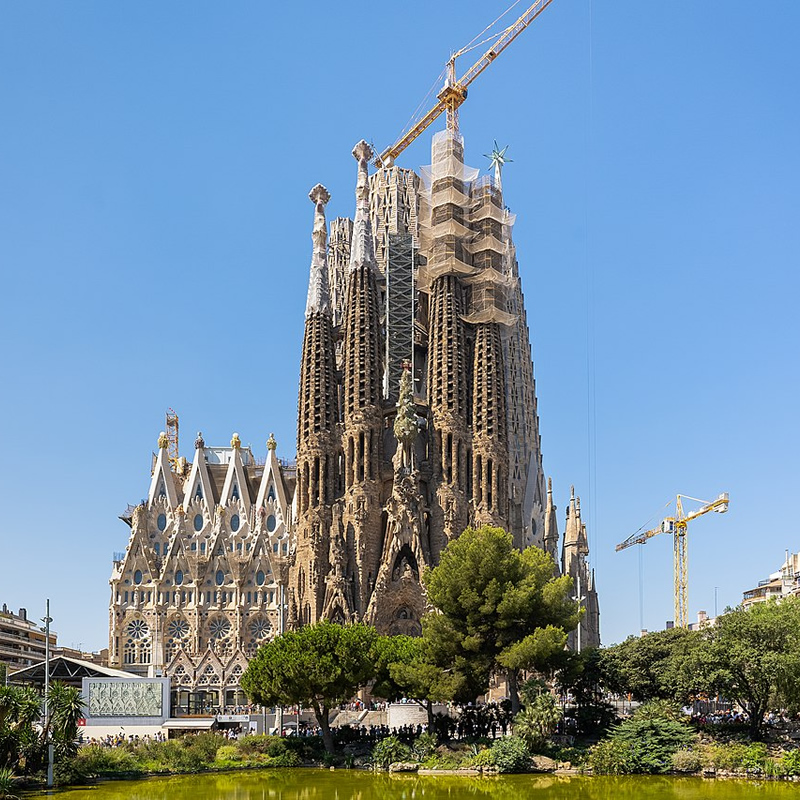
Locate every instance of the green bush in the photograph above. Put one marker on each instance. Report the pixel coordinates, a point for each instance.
(424, 746)
(790, 761)
(537, 721)
(642, 744)
(686, 761)
(738, 757)
(228, 752)
(390, 750)
(611, 757)
(483, 758)
(287, 759)
(256, 743)
(510, 754)
(94, 759)
(7, 784)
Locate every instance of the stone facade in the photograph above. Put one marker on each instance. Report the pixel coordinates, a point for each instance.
(417, 417)
(199, 586)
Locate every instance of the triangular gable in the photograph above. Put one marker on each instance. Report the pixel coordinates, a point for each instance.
(181, 669)
(139, 556)
(177, 560)
(198, 488)
(272, 478)
(260, 561)
(162, 484)
(238, 659)
(208, 666)
(235, 488)
(218, 560)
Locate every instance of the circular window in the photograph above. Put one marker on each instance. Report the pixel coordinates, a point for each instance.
(178, 628)
(235, 522)
(137, 629)
(198, 522)
(259, 628)
(137, 576)
(260, 578)
(161, 521)
(219, 628)
(219, 578)
(271, 523)
(179, 577)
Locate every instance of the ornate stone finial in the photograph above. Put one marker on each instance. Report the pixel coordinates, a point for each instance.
(571, 492)
(319, 195)
(362, 153)
(549, 486)
(272, 445)
(236, 442)
(199, 444)
(578, 505)
(318, 296)
(163, 441)
(362, 247)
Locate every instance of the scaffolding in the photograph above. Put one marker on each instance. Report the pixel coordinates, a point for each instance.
(400, 312)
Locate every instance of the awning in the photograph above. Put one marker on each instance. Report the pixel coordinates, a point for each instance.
(189, 724)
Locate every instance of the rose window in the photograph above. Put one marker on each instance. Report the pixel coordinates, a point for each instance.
(219, 628)
(259, 628)
(178, 629)
(137, 629)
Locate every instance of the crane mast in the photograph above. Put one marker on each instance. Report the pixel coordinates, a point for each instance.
(677, 525)
(454, 91)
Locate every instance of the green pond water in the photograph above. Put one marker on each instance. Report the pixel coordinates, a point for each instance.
(304, 784)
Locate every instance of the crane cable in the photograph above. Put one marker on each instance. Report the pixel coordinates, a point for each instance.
(470, 44)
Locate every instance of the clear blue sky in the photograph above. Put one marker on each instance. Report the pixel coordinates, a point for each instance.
(155, 160)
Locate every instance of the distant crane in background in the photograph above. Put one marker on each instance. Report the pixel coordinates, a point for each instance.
(454, 91)
(172, 438)
(677, 525)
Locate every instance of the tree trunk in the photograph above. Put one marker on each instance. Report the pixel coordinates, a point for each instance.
(322, 713)
(756, 714)
(513, 690)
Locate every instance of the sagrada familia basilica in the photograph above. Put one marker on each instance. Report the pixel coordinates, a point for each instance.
(417, 417)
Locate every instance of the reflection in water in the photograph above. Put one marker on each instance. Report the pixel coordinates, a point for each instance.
(319, 784)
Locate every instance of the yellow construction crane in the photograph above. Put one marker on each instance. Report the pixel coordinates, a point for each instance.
(172, 438)
(454, 91)
(677, 526)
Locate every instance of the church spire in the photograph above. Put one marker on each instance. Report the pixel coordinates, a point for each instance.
(362, 246)
(551, 524)
(318, 296)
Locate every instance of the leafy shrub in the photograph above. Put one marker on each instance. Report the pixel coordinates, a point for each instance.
(287, 759)
(7, 784)
(97, 760)
(611, 757)
(228, 752)
(390, 750)
(738, 757)
(481, 759)
(537, 721)
(205, 744)
(255, 743)
(790, 761)
(510, 754)
(642, 744)
(424, 746)
(686, 761)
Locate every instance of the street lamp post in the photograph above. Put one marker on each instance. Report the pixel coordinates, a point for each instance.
(47, 619)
